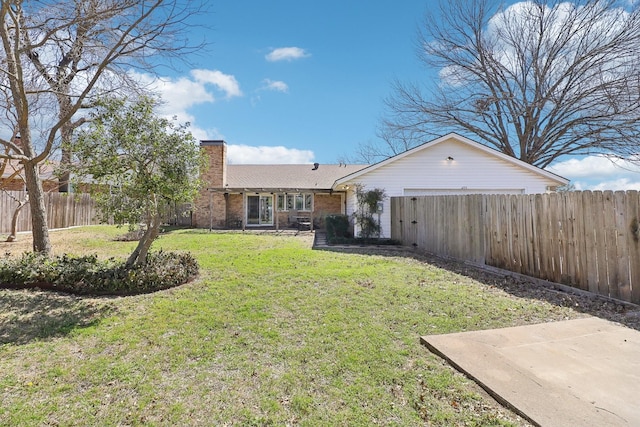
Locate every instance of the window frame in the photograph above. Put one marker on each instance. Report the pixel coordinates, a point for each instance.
(300, 202)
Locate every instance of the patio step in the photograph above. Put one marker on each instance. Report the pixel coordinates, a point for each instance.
(320, 239)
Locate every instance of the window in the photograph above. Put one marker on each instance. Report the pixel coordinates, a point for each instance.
(298, 202)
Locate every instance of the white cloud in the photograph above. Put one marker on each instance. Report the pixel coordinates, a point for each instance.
(275, 85)
(591, 166)
(246, 154)
(286, 54)
(618, 184)
(182, 93)
(225, 82)
(599, 173)
(268, 85)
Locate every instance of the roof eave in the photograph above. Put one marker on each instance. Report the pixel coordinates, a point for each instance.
(550, 175)
(267, 190)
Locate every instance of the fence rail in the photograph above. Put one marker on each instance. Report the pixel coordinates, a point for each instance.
(67, 210)
(63, 210)
(588, 240)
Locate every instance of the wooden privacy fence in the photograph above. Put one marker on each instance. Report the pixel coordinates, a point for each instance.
(63, 210)
(588, 240)
(68, 210)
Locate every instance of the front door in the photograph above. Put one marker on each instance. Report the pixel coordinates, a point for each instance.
(260, 209)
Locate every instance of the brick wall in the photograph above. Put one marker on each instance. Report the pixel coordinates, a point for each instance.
(324, 204)
(234, 210)
(12, 185)
(213, 208)
(19, 185)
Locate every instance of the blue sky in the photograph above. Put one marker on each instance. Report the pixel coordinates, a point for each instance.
(295, 81)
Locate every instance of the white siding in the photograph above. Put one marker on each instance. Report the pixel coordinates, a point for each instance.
(454, 191)
(471, 171)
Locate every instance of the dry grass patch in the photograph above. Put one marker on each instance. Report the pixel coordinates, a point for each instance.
(99, 239)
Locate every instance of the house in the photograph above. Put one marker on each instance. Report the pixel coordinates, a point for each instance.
(274, 196)
(12, 176)
(280, 195)
(448, 165)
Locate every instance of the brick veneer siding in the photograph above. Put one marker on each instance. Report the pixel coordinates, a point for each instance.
(210, 207)
(234, 210)
(19, 185)
(219, 210)
(325, 204)
(12, 185)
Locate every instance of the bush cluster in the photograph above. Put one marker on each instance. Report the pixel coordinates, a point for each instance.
(339, 233)
(337, 226)
(87, 275)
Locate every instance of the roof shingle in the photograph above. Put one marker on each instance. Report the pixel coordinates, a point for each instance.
(287, 176)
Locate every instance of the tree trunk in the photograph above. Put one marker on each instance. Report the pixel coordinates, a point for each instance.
(14, 220)
(39, 226)
(139, 255)
(65, 176)
(66, 133)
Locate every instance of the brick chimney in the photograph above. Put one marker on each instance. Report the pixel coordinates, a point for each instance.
(211, 206)
(18, 142)
(216, 152)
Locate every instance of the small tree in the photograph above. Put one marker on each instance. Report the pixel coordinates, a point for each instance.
(138, 163)
(367, 206)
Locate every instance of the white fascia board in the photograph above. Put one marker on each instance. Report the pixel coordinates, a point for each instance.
(550, 175)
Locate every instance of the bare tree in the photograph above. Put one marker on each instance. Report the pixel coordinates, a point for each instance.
(536, 80)
(12, 174)
(60, 55)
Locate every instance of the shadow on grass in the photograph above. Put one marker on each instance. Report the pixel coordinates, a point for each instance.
(27, 316)
(522, 287)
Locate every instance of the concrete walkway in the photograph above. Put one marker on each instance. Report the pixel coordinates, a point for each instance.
(583, 372)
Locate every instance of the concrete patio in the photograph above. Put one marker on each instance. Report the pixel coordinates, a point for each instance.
(582, 372)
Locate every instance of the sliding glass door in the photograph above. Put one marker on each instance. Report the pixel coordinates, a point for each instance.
(260, 209)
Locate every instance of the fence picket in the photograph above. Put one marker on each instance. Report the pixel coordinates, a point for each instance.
(633, 221)
(589, 240)
(623, 284)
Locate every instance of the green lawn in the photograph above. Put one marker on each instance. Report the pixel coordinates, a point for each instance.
(273, 333)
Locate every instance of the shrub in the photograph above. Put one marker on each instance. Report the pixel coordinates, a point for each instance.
(337, 226)
(86, 275)
(368, 201)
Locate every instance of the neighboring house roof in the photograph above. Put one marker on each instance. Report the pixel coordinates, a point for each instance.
(292, 177)
(427, 145)
(13, 166)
